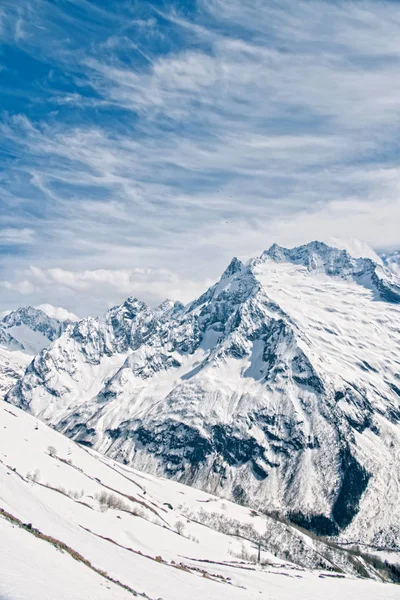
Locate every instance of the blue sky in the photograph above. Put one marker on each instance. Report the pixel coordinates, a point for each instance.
(142, 145)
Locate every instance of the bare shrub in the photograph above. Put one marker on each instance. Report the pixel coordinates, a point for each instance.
(179, 527)
(35, 476)
(244, 555)
(52, 451)
(112, 501)
(75, 494)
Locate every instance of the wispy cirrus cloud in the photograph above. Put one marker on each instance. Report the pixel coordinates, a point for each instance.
(13, 236)
(163, 142)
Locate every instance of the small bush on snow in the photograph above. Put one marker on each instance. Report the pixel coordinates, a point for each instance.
(52, 451)
(111, 501)
(179, 527)
(35, 476)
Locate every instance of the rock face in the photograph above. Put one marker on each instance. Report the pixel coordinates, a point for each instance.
(24, 333)
(279, 387)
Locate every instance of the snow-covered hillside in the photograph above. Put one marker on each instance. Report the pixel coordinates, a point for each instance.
(279, 388)
(24, 333)
(77, 525)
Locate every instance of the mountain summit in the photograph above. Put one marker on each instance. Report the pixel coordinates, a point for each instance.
(23, 333)
(279, 387)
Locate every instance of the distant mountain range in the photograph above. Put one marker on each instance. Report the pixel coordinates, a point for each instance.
(279, 387)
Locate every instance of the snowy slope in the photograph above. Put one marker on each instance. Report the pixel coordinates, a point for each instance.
(76, 525)
(24, 333)
(278, 388)
(392, 261)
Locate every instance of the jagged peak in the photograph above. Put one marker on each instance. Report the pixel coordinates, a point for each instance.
(133, 301)
(35, 320)
(302, 253)
(168, 308)
(22, 322)
(236, 275)
(26, 313)
(319, 249)
(320, 258)
(166, 304)
(125, 312)
(235, 266)
(237, 281)
(131, 306)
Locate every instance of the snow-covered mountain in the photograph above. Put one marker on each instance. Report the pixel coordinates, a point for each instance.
(392, 261)
(74, 524)
(279, 388)
(23, 334)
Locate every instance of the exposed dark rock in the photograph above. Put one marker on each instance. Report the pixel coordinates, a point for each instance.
(353, 484)
(318, 524)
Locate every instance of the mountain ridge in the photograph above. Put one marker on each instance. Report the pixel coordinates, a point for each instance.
(278, 383)
(23, 334)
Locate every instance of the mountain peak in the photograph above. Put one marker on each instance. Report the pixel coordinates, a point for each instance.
(318, 256)
(23, 313)
(35, 319)
(234, 267)
(165, 305)
(168, 308)
(132, 301)
(305, 252)
(28, 330)
(132, 306)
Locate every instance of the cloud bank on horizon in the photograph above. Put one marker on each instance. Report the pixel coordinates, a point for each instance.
(145, 143)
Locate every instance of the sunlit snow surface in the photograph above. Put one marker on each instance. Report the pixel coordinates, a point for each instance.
(346, 327)
(34, 459)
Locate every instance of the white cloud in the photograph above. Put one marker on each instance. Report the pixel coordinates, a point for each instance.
(356, 248)
(23, 287)
(57, 312)
(16, 236)
(264, 122)
(108, 286)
